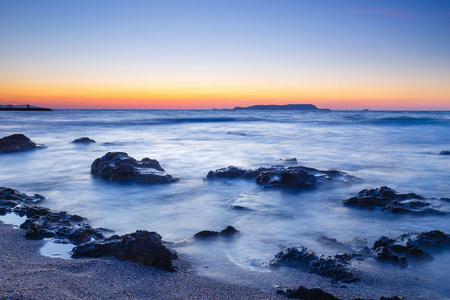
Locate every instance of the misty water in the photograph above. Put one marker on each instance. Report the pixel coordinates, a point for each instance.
(396, 149)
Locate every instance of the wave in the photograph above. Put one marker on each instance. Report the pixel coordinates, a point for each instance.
(408, 120)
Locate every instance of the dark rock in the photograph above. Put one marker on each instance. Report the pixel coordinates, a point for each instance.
(11, 194)
(303, 258)
(16, 142)
(44, 223)
(409, 245)
(306, 294)
(83, 140)
(141, 246)
(392, 298)
(384, 254)
(388, 199)
(444, 152)
(119, 167)
(295, 177)
(228, 231)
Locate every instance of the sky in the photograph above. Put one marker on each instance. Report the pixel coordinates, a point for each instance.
(203, 54)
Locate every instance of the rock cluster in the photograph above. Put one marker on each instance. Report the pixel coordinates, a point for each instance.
(388, 199)
(141, 247)
(119, 167)
(16, 142)
(83, 140)
(304, 258)
(445, 152)
(295, 177)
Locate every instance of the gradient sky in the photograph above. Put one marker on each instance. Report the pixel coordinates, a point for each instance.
(220, 54)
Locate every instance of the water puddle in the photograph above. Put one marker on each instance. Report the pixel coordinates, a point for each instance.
(56, 250)
(13, 219)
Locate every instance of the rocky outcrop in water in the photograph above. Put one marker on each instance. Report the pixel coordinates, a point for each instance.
(16, 142)
(141, 246)
(83, 140)
(229, 231)
(295, 177)
(42, 222)
(388, 199)
(445, 152)
(119, 167)
(303, 258)
(305, 294)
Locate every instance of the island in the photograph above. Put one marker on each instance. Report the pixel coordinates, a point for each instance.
(282, 107)
(25, 107)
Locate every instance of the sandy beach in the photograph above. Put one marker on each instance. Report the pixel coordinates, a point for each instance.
(28, 275)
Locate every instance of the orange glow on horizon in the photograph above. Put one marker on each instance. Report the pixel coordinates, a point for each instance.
(225, 97)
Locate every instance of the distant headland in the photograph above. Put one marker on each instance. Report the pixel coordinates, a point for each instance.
(25, 107)
(281, 107)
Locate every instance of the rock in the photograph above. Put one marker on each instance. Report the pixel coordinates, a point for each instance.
(15, 195)
(236, 133)
(305, 294)
(303, 258)
(141, 246)
(43, 223)
(409, 245)
(388, 199)
(83, 140)
(384, 254)
(444, 152)
(16, 142)
(228, 231)
(295, 177)
(119, 167)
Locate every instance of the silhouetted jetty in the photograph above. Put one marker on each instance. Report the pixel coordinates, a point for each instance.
(26, 107)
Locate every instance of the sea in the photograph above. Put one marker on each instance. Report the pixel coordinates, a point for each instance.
(398, 149)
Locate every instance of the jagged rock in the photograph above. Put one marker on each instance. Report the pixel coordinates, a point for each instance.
(141, 246)
(43, 223)
(83, 140)
(445, 152)
(7, 194)
(409, 244)
(119, 167)
(384, 254)
(388, 199)
(229, 230)
(16, 142)
(303, 258)
(304, 293)
(295, 177)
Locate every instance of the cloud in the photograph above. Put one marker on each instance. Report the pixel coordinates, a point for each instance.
(384, 12)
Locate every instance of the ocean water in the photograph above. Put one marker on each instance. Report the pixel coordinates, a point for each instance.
(397, 149)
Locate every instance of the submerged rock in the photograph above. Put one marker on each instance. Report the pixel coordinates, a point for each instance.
(16, 142)
(141, 246)
(83, 140)
(230, 230)
(119, 167)
(303, 258)
(445, 152)
(388, 199)
(295, 177)
(305, 294)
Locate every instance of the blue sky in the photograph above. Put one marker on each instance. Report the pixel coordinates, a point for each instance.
(227, 51)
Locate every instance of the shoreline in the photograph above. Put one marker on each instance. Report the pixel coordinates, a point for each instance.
(26, 274)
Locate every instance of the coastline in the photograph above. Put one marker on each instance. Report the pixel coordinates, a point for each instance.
(26, 274)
